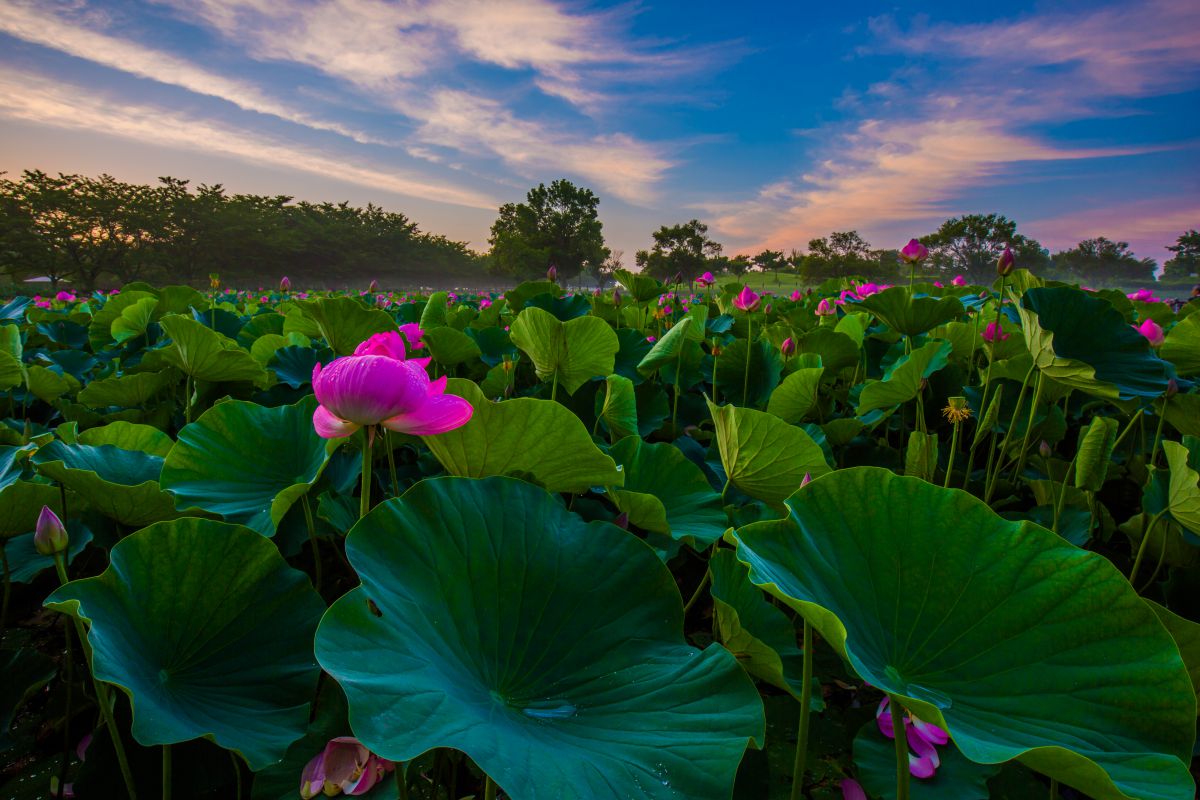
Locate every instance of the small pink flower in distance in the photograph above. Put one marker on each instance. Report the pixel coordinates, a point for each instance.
(796, 296)
(994, 333)
(485, 303)
(552, 274)
(747, 299)
(65, 297)
(938, 284)
(651, 339)
(914, 251)
(1152, 331)
(42, 303)
(825, 308)
(959, 280)
(852, 790)
(345, 766)
(1144, 296)
(285, 284)
(706, 280)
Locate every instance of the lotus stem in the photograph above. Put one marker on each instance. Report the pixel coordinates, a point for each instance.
(1037, 396)
(1162, 555)
(696, 594)
(1062, 494)
(953, 452)
(106, 710)
(237, 773)
(489, 788)
(675, 400)
(746, 373)
(1053, 789)
(798, 766)
(992, 477)
(1162, 417)
(69, 683)
(1141, 551)
(312, 538)
(554, 387)
(187, 400)
(391, 457)
(166, 772)
(364, 500)
(901, 739)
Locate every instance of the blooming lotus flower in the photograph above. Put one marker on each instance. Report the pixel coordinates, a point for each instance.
(825, 308)
(914, 251)
(923, 760)
(796, 296)
(867, 289)
(485, 303)
(367, 390)
(1144, 296)
(50, 536)
(706, 280)
(747, 299)
(1152, 331)
(285, 284)
(65, 297)
(1004, 266)
(345, 766)
(994, 333)
(852, 790)
(959, 280)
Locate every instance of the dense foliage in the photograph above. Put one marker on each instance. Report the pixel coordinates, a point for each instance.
(867, 541)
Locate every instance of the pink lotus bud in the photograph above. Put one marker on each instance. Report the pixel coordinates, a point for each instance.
(622, 521)
(617, 296)
(796, 296)
(1172, 388)
(994, 333)
(1044, 449)
(552, 274)
(374, 287)
(788, 347)
(285, 284)
(345, 766)
(1004, 266)
(825, 308)
(1152, 331)
(678, 277)
(852, 790)
(50, 537)
(959, 280)
(914, 251)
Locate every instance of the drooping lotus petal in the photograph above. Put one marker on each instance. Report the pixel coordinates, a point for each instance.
(924, 750)
(921, 767)
(312, 779)
(852, 790)
(344, 759)
(439, 413)
(883, 718)
(929, 732)
(330, 427)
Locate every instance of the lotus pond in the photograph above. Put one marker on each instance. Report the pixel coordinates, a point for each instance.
(651, 542)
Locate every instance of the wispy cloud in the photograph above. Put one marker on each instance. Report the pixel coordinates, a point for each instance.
(35, 98)
(51, 26)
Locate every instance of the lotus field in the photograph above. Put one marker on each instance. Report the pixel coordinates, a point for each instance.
(658, 541)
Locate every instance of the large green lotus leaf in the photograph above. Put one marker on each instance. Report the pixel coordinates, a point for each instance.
(119, 482)
(48, 385)
(667, 493)
(956, 777)
(450, 347)
(909, 315)
(343, 322)
(25, 671)
(134, 320)
(492, 620)
(1182, 346)
(574, 351)
(837, 350)
(129, 436)
(1187, 638)
(11, 373)
(1183, 413)
(1083, 342)
(207, 355)
(760, 635)
(126, 391)
(179, 300)
(766, 365)
(1176, 492)
(668, 349)
(902, 381)
(20, 504)
(100, 328)
(258, 326)
(764, 456)
(641, 287)
(793, 399)
(1019, 644)
(434, 312)
(246, 462)
(619, 410)
(1095, 451)
(208, 631)
(536, 440)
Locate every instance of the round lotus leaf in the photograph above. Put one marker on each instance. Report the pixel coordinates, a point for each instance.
(208, 631)
(1019, 644)
(492, 620)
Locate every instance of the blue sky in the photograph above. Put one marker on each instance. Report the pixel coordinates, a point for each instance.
(772, 122)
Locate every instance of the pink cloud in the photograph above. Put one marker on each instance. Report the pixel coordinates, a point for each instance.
(1148, 225)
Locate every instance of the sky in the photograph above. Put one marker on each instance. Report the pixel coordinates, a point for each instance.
(774, 123)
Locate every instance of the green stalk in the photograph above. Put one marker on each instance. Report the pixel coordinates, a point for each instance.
(992, 477)
(364, 501)
(675, 401)
(1162, 417)
(554, 386)
(187, 400)
(953, 451)
(489, 788)
(696, 594)
(749, 342)
(387, 445)
(101, 692)
(166, 772)
(1141, 551)
(1037, 396)
(69, 669)
(901, 748)
(312, 538)
(1053, 789)
(237, 773)
(401, 781)
(798, 766)
(1062, 495)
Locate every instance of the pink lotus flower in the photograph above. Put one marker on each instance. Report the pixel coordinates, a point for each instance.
(345, 766)
(652, 339)
(706, 280)
(796, 296)
(391, 344)
(65, 297)
(914, 251)
(938, 284)
(1144, 296)
(959, 280)
(484, 303)
(552, 274)
(994, 333)
(373, 287)
(825, 308)
(867, 289)
(922, 737)
(378, 386)
(285, 284)
(747, 299)
(1152, 331)
(1004, 266)
(852, 790)
(788, 347)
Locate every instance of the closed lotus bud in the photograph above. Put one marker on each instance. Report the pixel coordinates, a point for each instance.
(552, 274)
(616, 297)
(285, 284)
(788, 348)
(1004, 266)
(806, 480)
(678, 277)
(50, 537)
(374, 287)
(622, 521)
(1044, 449)
(1172, 388)
(767, 309)
(716, 349)
(914, 251)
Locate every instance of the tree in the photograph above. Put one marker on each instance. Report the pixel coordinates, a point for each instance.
(971, 244)
(684, 249)
(1101, 260)
(1185, 264)
(840, 255)
(770, 261)
(557, 225)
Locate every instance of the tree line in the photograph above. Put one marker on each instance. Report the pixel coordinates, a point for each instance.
(100, 231)
(92, 232)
